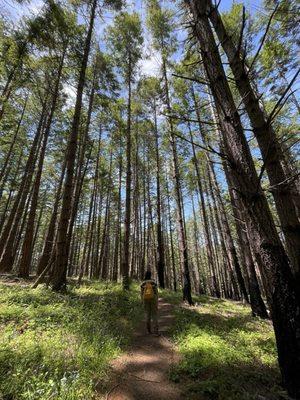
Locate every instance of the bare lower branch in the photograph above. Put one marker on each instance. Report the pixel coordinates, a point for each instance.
(209, 148)
(280, 100)
(202, 82)
(185, 119)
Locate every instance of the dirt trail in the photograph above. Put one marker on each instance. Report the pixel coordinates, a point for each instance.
(142, 373)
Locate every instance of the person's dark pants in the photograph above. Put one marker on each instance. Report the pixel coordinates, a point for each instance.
(151, 314)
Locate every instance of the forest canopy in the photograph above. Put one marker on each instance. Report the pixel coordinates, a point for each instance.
(155, 135)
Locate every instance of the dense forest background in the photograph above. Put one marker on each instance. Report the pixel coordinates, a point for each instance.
(155, 135)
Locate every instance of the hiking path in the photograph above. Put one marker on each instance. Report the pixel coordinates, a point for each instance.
(143, 372)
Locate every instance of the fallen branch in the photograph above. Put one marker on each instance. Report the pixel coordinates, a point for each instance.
(142, 379)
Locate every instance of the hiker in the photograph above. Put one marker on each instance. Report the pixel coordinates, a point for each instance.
(149, 296)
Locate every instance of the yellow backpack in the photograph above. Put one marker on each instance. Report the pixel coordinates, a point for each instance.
(148, 291)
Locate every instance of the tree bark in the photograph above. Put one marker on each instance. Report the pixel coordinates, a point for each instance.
(207, 236)
(278, 280)
(13, 142)
(58, 279)
(187, 295)
(26, 252)
(10, 230)
(269, 146)
(159, 232)
(127, 222)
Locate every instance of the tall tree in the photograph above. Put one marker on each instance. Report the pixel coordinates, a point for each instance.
(284, 190)
(279, 284)
(58, 279)
(160, 25)
(125, 40)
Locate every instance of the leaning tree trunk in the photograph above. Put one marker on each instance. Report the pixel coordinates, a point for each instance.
(13, 221)
(13, 142)
(232, 254)
(278, 280)
(257, 304)
(27, 247)
(26, 251)
(224, 245)
(58, 279)
(270, 149)
(11, 190)
(228, 239)
(6, 92)
(49, 239)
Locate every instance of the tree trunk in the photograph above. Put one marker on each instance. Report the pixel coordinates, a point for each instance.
(10, 230)
(171, 239)
(118, 221)
(58, 279)
(13, 142)
(26, 252)
(49, 240)
(270, 149)
(177, 186)
(280, 287)
(160, 239)
(228, 239)
(257, 304)
(209, 248)
(127, 222)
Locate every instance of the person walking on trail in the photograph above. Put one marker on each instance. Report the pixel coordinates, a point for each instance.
(149, 296)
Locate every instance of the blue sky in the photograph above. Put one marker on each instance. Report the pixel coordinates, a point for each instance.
(150, 64)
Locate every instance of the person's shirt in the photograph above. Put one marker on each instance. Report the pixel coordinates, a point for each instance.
(154, 287)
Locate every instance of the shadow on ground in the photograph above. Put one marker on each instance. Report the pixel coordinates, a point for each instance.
(226, 353)
(143, 373)
(59, 345)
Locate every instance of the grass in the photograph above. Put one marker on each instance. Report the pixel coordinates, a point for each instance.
(226, 353)
(57, 346)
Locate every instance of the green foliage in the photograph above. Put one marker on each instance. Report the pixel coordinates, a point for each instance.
(57, 346)
(226, 353)
(125, 42)
(161, 26)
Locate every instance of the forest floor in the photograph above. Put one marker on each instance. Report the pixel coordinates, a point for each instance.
(143, 372)
(90, 344)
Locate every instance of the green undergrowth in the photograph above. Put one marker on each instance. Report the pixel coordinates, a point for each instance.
(226, 353)
(57, 346)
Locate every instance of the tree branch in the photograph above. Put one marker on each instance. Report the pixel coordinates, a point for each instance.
(188, 119)
(263, 39)
(191, 79)
(278, 104)
(209, 148)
